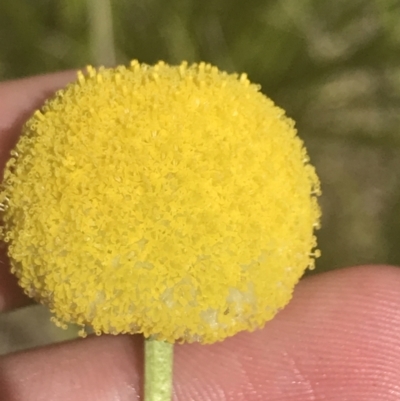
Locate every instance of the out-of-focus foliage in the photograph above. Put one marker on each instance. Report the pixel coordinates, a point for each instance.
(333, 65)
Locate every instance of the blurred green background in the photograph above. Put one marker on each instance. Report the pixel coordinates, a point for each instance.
(334, 67)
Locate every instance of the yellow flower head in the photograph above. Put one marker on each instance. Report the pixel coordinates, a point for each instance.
(174, 201)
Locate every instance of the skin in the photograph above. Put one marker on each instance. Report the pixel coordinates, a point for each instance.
(338, 340)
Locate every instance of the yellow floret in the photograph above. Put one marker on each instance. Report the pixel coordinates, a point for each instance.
(173, 201)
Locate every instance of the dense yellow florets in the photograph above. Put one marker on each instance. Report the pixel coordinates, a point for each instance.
(175, 201)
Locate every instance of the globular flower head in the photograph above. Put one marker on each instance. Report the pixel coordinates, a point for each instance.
(174, 201)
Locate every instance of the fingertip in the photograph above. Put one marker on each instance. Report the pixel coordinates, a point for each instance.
(338, 339)
(96, 368)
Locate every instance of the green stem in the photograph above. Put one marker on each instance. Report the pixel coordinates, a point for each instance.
(158, 370)
(101, 32)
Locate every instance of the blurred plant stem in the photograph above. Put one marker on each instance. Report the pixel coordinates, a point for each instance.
(101, 32)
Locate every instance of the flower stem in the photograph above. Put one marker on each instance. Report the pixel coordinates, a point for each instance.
(101, 32)
(158, 370)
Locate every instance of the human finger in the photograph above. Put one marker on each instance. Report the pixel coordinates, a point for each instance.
(339, 339)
